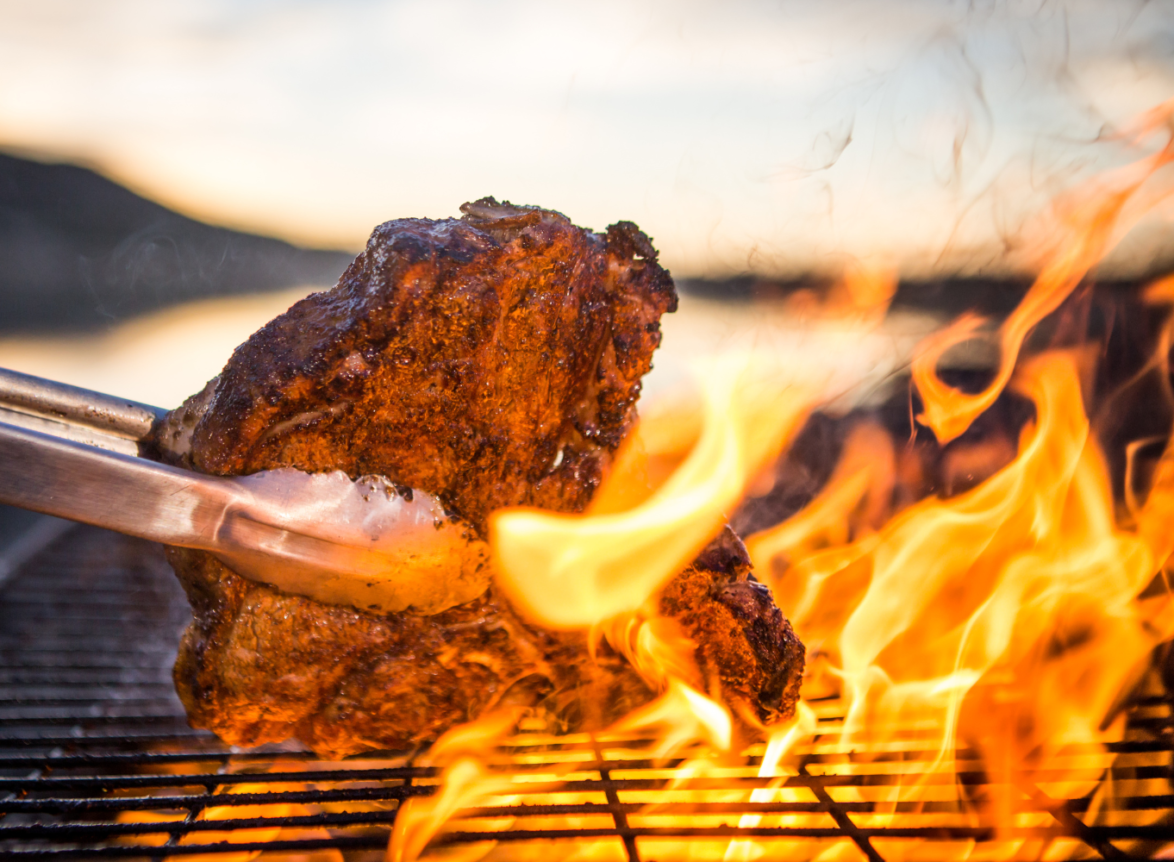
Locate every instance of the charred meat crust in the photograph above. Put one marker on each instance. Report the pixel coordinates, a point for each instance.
(493, 360)
(745, 646)
(257, 665)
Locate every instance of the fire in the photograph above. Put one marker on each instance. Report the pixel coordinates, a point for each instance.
(855, 501)
(464, 782)
(992, 581)
(1088, 220)
(680, 717)
(782, 741)
(570, 571)
(235, 835)
(998, 627)
(599, 570)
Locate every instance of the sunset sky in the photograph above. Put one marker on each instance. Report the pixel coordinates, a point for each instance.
(742, 135)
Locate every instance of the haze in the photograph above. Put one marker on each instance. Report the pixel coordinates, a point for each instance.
(777, 137)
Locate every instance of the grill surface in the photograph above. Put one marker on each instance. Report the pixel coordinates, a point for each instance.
(97, 761)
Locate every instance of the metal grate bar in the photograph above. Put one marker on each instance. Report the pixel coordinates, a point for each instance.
(86, 805)
(96, 759)
(101, 830)
(54, 784)
(619, 816)
(839, 815)
(1072, 825)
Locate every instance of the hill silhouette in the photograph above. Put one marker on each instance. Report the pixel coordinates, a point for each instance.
(80, 252)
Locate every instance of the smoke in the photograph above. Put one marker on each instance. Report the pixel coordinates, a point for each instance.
(779, 136)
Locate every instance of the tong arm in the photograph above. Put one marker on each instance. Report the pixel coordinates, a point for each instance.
(74, 406)
(74, 454)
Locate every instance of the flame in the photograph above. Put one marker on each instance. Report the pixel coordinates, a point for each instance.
(1089, 219)
(1008, 616)
(263, 834)
(681, 716)
(854, 502)
(782, 740)
(1157, 515)
(1015, 616)
(864, 293)
(961, 581)
(568, 571)
(1160, 292)
(997, 628)
(1034, 543)
(465, 780)
(859, 299)
(598, 571)
(656, 647)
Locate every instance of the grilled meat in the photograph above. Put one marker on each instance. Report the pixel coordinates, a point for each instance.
(492, 360)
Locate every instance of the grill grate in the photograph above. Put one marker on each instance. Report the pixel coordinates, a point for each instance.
(97, 761)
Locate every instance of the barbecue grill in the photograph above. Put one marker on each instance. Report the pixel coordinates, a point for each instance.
(98, 761)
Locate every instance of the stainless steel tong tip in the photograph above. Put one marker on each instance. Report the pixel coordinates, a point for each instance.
(77, 454)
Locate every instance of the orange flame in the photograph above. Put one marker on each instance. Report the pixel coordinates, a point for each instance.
(681, 716)
(782, 740)
(1089, 219)
(1008, 615)
(854, 502)
(860, 298)
(598, 571)
(464, 782)
(865, 292)
(568, 571)
(1009, 619)
(1157, 515)
(273, 811)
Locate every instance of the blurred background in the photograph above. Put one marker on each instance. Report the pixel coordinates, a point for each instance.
(173, 175)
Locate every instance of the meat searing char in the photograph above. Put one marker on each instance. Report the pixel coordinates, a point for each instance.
(492, 360)
(258, 665)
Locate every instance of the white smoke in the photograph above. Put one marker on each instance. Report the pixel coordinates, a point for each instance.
(745, 134)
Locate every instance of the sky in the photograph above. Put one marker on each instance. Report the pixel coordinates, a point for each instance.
(775, 137)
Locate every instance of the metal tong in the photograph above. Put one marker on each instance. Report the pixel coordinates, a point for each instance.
(81, 455)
